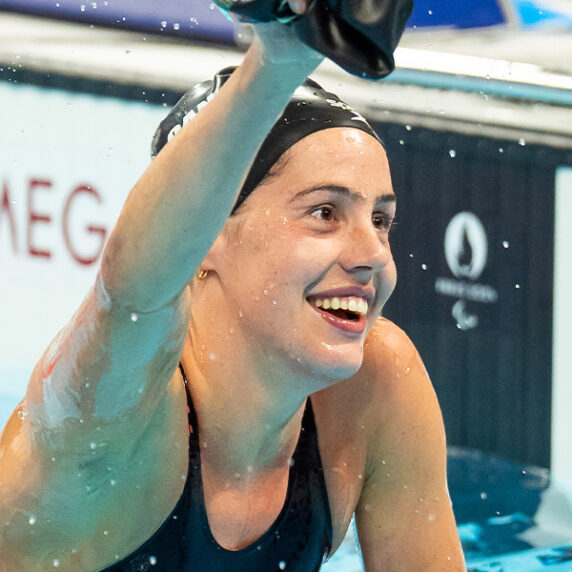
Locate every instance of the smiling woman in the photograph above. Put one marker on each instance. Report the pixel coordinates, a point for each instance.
(227, 397)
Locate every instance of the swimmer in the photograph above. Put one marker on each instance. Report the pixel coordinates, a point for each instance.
(227, 396)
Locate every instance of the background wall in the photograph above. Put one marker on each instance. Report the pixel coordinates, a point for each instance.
(67, 162)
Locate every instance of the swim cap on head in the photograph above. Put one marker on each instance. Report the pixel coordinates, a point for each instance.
(310, 109)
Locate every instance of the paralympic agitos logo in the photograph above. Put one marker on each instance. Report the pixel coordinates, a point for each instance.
(466, 252)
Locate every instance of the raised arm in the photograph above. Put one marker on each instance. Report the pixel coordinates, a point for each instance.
(91, 460)
(404, 518)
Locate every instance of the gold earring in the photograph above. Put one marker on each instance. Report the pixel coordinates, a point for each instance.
(201, 274)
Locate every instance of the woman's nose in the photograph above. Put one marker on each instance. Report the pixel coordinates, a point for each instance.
(366, 251)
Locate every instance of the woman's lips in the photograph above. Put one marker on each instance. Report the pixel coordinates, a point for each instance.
(355, 326)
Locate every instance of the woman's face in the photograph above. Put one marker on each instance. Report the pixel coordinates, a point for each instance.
(305, 263)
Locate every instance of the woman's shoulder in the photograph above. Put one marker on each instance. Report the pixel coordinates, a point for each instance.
(391, 371)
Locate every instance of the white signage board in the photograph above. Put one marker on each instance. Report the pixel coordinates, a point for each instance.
(67, 163)
(561, 462)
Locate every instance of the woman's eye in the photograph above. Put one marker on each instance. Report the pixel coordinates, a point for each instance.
(323, 213)
(381, 221)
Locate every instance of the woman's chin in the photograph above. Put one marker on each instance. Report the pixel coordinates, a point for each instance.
(331, 365)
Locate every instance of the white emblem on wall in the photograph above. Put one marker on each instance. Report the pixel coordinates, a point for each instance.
(466, 246)
(466, 252)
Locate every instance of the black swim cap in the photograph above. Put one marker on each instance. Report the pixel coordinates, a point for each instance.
(310, 109)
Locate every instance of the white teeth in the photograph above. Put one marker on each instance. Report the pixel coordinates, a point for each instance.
(352, 304)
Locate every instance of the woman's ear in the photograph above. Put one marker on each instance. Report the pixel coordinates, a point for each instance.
(211, 261)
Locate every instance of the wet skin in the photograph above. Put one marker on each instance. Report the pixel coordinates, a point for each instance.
(254, 346)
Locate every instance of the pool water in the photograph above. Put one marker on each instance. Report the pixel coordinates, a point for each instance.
(510, 517)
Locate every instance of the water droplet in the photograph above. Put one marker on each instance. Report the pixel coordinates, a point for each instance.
(401, 142)
(93, 445)
(105, 532)
(163, 24)
(431, 518)
(112, 482)
(176, 26)
(152, 560)
(484, 496)
(22, 413)
(505, 243)
(501, 150)
(424, 267)
(134, 317)
(212, 356)
(452, 153)
(282, 565)
(408, 127)
(522, 141)
(32, 519)
(407, 370)
(56, 562)
(517, 286)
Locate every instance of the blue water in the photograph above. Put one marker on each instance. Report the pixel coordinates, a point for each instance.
(497, 504)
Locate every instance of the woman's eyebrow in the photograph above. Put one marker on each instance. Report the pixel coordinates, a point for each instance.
(343, 191)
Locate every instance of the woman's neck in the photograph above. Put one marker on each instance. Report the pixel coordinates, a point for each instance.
(249, 409)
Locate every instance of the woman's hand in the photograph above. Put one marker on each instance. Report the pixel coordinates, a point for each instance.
(277, 43)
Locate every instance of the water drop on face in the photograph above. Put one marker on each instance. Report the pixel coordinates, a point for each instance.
(212, 356)
(431, 518)
(22, 414)
(282, 565)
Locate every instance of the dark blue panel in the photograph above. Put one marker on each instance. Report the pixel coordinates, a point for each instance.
(195, 18)
(455, 14)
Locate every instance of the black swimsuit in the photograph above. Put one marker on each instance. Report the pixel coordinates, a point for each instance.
(298, 541)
